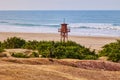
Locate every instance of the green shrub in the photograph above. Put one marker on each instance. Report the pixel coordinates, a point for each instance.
(45, 49)
(50, 49)
(115, 57)
(59, 52)
(34, 54)
(19, 55)
(65, 50)
(89, 57)
(13, 42)
(31, 45)
(112, 51)
(1, 47)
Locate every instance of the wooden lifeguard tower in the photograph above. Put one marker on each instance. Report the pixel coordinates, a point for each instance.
(64, 32)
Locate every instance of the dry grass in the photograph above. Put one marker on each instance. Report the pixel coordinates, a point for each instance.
(53, 69)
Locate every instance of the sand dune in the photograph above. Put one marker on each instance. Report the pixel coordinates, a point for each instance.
(45, 69)
(53, 69)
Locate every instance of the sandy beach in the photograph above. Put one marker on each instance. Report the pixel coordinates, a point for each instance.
(87, 41)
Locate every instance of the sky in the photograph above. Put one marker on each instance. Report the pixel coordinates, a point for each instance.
(59, 4)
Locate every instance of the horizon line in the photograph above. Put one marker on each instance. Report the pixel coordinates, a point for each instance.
(61, 10)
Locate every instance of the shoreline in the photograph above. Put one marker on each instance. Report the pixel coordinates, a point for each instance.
(92, 42)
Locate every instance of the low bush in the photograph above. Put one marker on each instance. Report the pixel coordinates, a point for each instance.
(13, 42)
(31, 45)
(65, 50)
(19, 55)
(1, 47)
(34, 54)
(112, 51)
(50, 49)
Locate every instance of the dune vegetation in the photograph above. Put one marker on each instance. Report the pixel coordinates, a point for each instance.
(60, 50)
(49, 49)
(112, 51)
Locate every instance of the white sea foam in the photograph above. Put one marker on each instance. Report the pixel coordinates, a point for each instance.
(93, 29)
(94, 26)
(33, 29)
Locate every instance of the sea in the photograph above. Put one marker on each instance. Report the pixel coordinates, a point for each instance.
(80, 22)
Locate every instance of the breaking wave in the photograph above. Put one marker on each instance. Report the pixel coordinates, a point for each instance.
(110, 26)
(95, 26)
(28, 24)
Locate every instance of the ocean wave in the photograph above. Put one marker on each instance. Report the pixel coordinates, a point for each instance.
(74, 31)
(4, 22)
(24, 24)
(95, 26)
(28, 24)
(18, 23)
(32, 24)
(110, 26)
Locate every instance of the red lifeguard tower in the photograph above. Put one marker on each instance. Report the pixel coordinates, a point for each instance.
(64, 32)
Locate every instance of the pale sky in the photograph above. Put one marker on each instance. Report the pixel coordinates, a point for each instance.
(59, 4)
